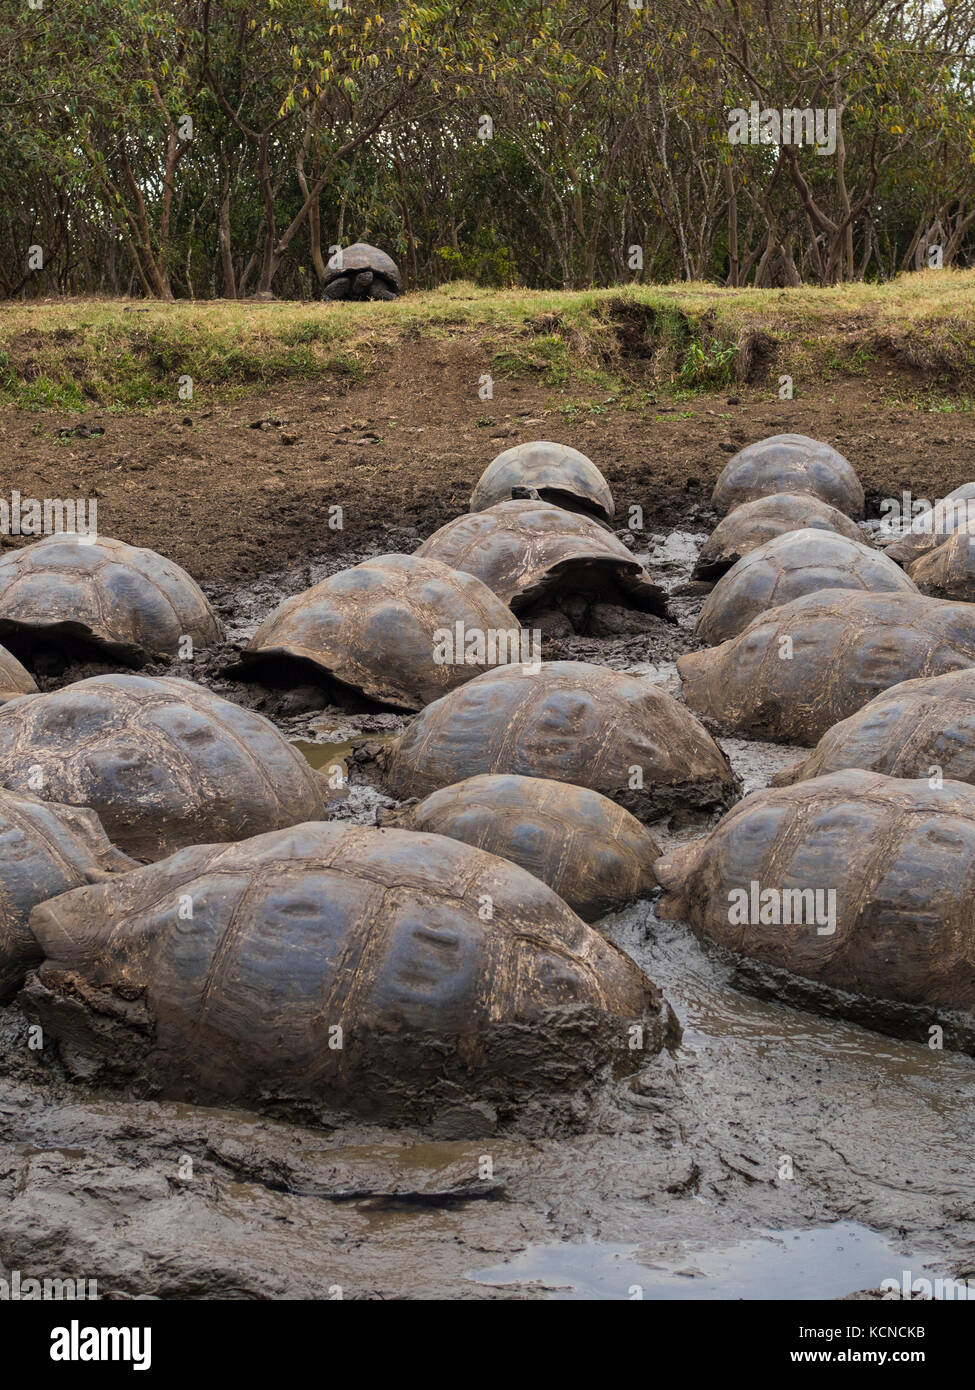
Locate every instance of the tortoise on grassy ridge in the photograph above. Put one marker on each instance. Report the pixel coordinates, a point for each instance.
(361, 271)
(789, 463)
(165, 763)
(559, 474)
(572, 722)
(527, 550)
(948, 571)
(45, 849)
(797, 563)
(132, 603)
(919, 728)
(753, 523)
(898, 858)
(931, 528)
(799, 668)
(334, 966)
(14, 679)
(400, 629)
(592, 852)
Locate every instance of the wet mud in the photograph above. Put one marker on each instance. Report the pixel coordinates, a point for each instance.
(776, 1152)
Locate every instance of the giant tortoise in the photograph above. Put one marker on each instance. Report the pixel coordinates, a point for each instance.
(556, 472)
(528, 551)
(753, 523)
(591, 851)
(14, 679)
(361, 271)
(855, 881)
(919, 728)
(789, 463)
(399, 629)
(329, 966)
(163, 761)
(797, 563)
(948, 571)
(569, 721)
(131, 603)
(45, 849)
(799, 668)
(934, 525)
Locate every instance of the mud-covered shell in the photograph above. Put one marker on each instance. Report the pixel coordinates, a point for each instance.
(14, 679)
(948, 571)
(559, 474)
(45, 849)
(388, 628)
(361, 256)
(789, 463)
(525, 550)
(919, 728)
(797, 563)
(933, 527)
(803, 666)
(591, 851)
(164, 762)
(134, 603)
(569, 721)
(335, 965)
(753, 523)
(900, 857)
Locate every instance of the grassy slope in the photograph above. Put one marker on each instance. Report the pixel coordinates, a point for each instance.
(672, 339)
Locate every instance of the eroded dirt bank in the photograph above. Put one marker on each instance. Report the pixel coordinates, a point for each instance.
(854, 1147)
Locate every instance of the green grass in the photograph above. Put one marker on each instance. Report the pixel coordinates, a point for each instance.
(676, 339)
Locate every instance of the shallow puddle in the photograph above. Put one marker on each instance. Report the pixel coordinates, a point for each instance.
(822, 1262)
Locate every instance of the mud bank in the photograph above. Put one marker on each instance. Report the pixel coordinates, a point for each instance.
(775, 1153)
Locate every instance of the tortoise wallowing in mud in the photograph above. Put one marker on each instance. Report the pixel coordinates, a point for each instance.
(797, 563)
(753, 523)
(789, 463)
(571, 722)
(855, 881)
(131, 603)
(948, 571)
(400, 629)
(45, 849)
(920, 728)
(934, 526)
(14, 679)
(361, 271)
(559, 474)
(803, 666)
(165, 763)
(592, 852)
(329, 966)
(530, 553)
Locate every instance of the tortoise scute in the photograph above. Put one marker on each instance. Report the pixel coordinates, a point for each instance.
(790, 565)
(526, 550)
(164, 762)
(854, 881)
(557, 473)
(130, 601)
(400, 629)
(570, 722)
(753, 523)
(321, 932)
(790, 463)
(593, 853)
(45, 849)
